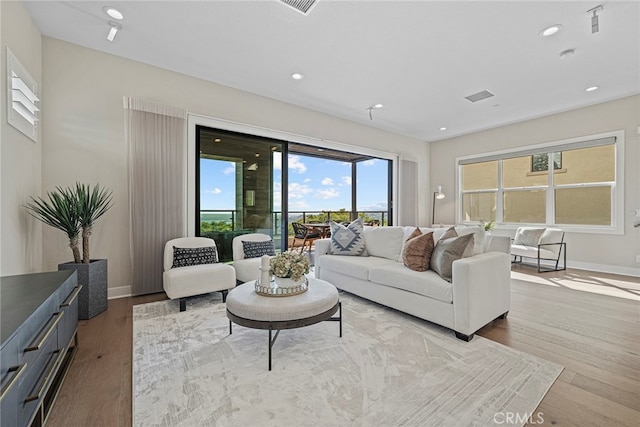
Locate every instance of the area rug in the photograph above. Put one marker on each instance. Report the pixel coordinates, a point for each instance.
(388, 369)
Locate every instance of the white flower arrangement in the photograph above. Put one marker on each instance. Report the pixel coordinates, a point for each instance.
(292, 265)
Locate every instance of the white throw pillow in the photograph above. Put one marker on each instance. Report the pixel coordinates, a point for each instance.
(384, 242)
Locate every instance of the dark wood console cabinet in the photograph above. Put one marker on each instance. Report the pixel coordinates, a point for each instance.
(39, 329)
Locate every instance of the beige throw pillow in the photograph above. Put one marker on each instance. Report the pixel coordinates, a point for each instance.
(446, 252)
(417, 250)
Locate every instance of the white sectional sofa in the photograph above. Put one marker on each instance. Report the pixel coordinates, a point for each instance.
(478, 294)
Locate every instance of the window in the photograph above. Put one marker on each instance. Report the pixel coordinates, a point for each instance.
(22, 98)
(583, 190)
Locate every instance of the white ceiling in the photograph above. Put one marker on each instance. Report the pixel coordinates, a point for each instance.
(418, 58)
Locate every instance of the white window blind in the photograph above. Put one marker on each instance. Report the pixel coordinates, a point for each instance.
(22, 101)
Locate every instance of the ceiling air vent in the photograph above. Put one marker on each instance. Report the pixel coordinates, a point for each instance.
(302, 6)
(479, 96)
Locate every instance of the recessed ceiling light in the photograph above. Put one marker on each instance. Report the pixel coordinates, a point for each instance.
(297, 76)
(443, 128)
(550, 30)
(378, 106)
(592, 88)
(112, 12)
(217, 140)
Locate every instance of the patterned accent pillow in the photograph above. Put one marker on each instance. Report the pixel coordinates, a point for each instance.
(417, 250)
(528, 237)
(446, 252)
(185, 257)
(257, 249)
(347, 240)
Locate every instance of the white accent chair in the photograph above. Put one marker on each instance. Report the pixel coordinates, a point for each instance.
(183, 282)
(550, 247)
(246, 269)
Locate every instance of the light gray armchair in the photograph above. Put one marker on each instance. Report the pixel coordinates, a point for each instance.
(191, 268)
(540, 244)
(247, 268)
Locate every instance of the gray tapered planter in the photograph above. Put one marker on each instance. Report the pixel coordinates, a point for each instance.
(92, 299)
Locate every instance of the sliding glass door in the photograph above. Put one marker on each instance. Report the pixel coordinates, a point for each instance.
(238, 187)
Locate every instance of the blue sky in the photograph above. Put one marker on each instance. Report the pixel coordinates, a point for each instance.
(314, 184)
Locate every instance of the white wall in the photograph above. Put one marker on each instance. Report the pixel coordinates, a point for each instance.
(611, 253)
(21, 235)
(84, 134)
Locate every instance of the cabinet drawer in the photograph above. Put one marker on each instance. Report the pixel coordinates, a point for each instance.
(11, 374)
(37, 379)
(31, 348)
(69, 322)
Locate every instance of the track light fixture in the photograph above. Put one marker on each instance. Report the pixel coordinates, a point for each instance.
(373, 107)
(595, 25)
(114, 27)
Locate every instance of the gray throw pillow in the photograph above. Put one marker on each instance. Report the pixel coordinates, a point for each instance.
(528, 237)
(446, 252)
(253, 249)
(185, 257)
(347, 240)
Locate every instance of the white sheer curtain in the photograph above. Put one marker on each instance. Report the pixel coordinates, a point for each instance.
(408, 196)
(156, 137)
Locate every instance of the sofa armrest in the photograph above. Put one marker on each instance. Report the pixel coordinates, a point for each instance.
(481, 290)
(320, 247)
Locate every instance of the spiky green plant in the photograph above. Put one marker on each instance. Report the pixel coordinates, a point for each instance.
(92, 204)
(59, 210)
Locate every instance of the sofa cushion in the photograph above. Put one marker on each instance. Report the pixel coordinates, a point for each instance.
(417, 250)
(426, 283)
(186, 257)
(528, 236)
(255, 249)
(347, 240)
(446, 252)
(357, 267)
(384, 242)
(532, 252)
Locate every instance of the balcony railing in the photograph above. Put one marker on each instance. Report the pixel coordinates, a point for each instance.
(223, 225)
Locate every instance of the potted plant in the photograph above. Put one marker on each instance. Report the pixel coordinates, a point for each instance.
(488, 226)
(74, 211)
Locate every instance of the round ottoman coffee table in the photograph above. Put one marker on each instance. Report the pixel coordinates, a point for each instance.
(274, 313)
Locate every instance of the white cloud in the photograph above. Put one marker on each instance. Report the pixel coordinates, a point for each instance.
(298, 205)
(307, 180)
(329, 193)
(327, 181)
(346, 180)
(297, 191)
(230, 169)
(370, 162)
(213, 191)
(296, 165)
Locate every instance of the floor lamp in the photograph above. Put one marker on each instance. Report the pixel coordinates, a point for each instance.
(437, 195)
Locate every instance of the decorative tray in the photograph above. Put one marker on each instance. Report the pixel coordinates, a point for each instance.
(273, 290)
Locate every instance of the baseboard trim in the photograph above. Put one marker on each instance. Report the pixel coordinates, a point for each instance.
(119, 292)
(604, 268)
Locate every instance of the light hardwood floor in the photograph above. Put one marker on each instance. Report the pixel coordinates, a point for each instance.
(587, 322)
